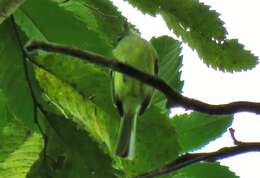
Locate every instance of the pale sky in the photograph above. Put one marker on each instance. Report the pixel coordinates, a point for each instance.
(242, 22)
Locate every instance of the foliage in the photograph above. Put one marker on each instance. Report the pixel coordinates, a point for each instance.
(202, 29)
(79, 118)
(20, 145)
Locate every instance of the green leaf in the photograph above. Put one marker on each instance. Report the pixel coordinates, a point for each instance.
(225, 55)
(19, 162)
(12, 131)
(190, 14)
(205, 170)
(74, 106)
(12, 80)
(20, 146)
(61, 26)
(170, 63)
(80, 75)
(73, 153)
(202, 29)
(150, 7)
(13, 134)
(99, 15)
(196, 129)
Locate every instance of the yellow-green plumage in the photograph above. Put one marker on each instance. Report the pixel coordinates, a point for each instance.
(131, 96)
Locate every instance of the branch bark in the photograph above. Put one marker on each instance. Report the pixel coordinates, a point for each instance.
(174, 98)
(189, 159)
(7, 7)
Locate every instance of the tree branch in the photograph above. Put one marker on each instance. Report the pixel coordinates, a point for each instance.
(189, 159)
(174, 98)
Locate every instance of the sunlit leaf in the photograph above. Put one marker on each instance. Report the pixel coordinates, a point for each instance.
(170, 63)
(203, 30)
(19, 162)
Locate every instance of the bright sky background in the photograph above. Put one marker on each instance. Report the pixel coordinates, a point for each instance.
(242, 22)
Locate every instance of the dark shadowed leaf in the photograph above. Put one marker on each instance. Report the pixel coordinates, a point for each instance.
(45, 20)
(12, 79)
(72, 153)
(196, 129)
(205, 170)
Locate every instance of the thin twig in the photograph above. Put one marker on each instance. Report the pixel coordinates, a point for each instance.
(235, 140)
(174, 98)
(189, 159)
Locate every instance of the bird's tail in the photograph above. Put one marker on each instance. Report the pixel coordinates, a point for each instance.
(126, 142)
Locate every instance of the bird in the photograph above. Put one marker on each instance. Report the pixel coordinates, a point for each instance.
(130, 96)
